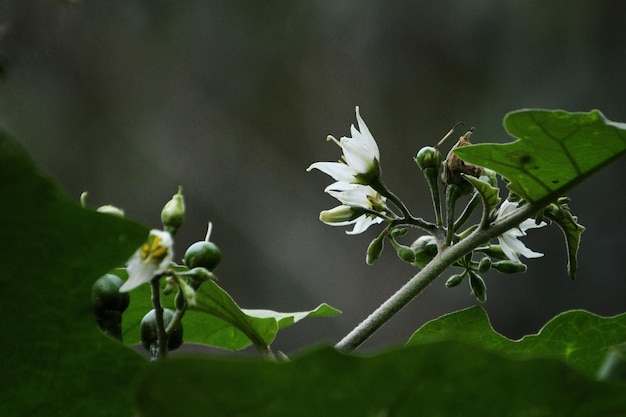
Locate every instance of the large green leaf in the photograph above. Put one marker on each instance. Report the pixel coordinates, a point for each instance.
(55, 361)
(434, 379)
(555, 151)
(578, 337)
(218, 321)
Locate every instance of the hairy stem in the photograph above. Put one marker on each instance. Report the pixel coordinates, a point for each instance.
(426, 276)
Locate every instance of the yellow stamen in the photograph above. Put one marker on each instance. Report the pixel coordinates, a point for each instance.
(152, 251)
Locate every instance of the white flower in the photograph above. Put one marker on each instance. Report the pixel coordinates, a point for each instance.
(357, 200)
(360, 160)
(152, 258)
(509, 242)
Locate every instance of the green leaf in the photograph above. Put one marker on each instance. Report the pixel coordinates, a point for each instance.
(217, 320)
(561, 215)
(55, 361)
(434, 379)
(556, 150)
(577, 337)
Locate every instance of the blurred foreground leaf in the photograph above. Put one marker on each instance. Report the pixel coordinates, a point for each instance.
(556, 150)
(433, 379)
(55, 361)
(577, 337)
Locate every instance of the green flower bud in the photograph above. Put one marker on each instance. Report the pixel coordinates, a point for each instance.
(484, 265)
(493, 251)
(425, 249)
(398, 232)
(339, 214)
(508, 267)
(374, 249)
(479, 289)
(173, 213)
(454, 280)
(428, 157)
(405, 253)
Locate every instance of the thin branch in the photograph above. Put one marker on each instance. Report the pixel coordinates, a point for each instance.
(426, 276)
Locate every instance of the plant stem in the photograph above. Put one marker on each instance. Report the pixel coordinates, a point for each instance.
(380, 187)
(430, 272)
(158, 316)
(432, 178)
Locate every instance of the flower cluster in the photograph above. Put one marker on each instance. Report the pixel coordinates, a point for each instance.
(358, 168)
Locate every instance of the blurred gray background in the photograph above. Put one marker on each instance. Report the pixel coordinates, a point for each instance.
(233, 100)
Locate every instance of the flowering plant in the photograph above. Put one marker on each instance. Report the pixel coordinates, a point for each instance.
(83, 364)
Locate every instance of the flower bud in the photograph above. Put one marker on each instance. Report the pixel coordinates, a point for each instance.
(454, 280)
(479, 289)
(374, 249)
(398, 232)
(484, 265)
(405, 253)
(340, 214)
(508, 267)
(173, 213)
(428, 157)
(493, 251)
(425, 249)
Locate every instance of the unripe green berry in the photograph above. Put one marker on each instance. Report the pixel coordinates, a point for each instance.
(202, 254)
(106, 295)
(149, 330)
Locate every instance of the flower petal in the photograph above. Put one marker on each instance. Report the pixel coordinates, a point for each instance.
(363, 223)
(152, 258)
(337, 170)
(366, 136)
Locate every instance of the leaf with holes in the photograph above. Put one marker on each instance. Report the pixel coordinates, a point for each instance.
(555, 151)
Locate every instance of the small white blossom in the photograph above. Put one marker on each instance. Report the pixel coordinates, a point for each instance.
(360, 160)
(355, 199)
(509, 242)
(152, 258)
